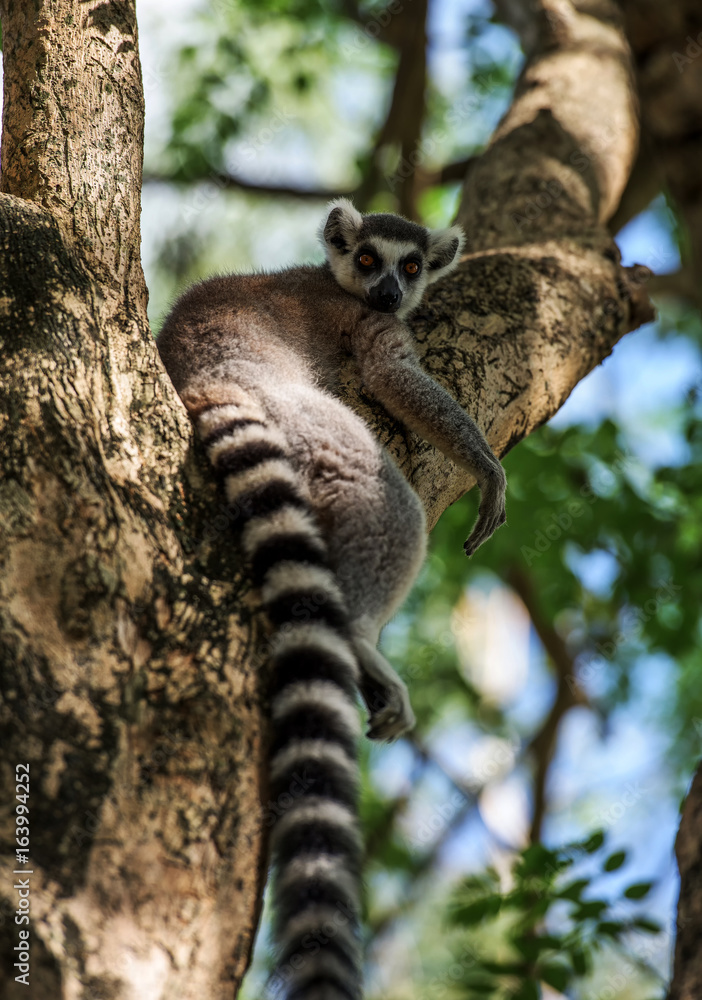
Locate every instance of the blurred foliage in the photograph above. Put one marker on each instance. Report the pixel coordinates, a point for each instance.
(552, 927)
(579, 493)
(574, 494)
(251, 69)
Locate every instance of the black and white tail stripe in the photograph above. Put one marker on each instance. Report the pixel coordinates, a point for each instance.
(315, 844)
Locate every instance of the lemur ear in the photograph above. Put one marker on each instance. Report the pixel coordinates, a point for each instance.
(444, 251)
(341, 226)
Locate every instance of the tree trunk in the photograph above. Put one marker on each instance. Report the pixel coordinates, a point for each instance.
(130, 683)
(687, 971)
(667, 42)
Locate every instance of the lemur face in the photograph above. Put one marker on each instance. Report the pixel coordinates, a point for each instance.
(386, 260)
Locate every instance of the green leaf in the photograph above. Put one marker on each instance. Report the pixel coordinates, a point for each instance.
(615, 861)
(527, 945)
(611, 928)
(638, 890)
(581, 962)
(591, 908)
(574, 890)
(550, 941)
(557, 976)
(477, 982)
(529, 990)
(476, 899)
(532, 903)
(594, 842)
(649, 926)
(504, 968)
(538, 860)
(467, 914)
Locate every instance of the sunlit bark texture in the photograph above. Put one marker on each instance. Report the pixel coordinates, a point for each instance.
(130, 682)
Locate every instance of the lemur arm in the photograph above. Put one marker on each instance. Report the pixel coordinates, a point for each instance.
(391, 370)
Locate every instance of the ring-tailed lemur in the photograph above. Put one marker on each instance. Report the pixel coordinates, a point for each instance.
(333, 534)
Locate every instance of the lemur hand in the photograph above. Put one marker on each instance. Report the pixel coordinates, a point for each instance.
(491, 513)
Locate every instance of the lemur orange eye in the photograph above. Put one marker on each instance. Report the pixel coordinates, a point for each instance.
(365, 260)
(411, 267)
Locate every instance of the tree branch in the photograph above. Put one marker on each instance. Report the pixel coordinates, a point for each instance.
(687, 968)
(228, 182)
(122, 686)
(403, 123)
(643, 186)
(568, 694)
(665, 39)
(682, 284)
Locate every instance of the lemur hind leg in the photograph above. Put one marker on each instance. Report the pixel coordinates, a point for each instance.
(384, 692)
(374, 526)
(377, 546)
(370, 518)
(390, 545)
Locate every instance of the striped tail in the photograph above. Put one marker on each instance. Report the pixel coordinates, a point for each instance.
(315, 843)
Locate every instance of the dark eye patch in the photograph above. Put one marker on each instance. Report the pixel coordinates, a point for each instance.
(368, 251)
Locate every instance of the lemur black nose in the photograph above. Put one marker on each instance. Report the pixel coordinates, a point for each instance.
(386, 296)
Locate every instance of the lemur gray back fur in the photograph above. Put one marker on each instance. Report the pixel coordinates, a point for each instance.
(332, 533)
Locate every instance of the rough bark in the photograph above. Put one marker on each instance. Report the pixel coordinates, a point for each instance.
(687, 973)
(130, 682)
(541, 297)
(124, 684)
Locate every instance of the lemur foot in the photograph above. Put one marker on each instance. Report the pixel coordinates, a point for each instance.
(387, 700)
(394, 718)
(385, 694)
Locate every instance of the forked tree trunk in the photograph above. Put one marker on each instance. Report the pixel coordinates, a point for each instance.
(130, 683)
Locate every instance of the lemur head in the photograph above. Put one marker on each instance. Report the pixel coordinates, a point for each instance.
(384, 259)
